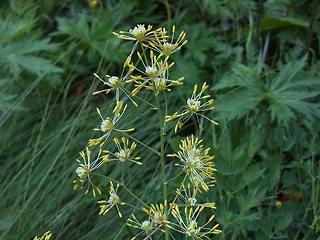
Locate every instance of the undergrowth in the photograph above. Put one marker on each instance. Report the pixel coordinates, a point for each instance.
(261, 61)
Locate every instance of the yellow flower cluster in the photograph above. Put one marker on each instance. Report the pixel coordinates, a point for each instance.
(45, 236)
(123, 154)
(196, 163)
(198, 166)
(113, 200)
(152, 75)
(195, 107)
(84, 170)
(147, 67)
(188, 225)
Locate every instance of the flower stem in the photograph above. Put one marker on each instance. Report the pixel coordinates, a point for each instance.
(144, 54)
(145, 145)
(164, 181)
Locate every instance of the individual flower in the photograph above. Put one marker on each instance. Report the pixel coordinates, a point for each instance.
(189, 197)
(93, 4)
(188, 224)
(166, 48)
(156, 213)
(114, 200)
(196, 163)
(154, 75)
(146, 226)
(123, 154)
(108, 125)
(45, 236)
(86, 166)
(140, 34)
(278, 204)
(193, 107)
(116, 84)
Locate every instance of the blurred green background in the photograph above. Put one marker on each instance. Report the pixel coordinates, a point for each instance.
(261, 60)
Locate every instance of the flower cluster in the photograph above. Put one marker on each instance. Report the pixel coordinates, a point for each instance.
(107, 126)
(196, 163)
(85, 168)
(147, 67)
(123, 154)
(45, 236)
(154, 75)
(156, 213)
(147, 227)
(113, 200)
(188, 225)
(195, 107)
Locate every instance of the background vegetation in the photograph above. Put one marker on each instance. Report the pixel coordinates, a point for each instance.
(261, 60)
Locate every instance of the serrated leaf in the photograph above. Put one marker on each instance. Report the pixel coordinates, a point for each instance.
(240, 76)
(38, 65)
(289, 144)
(77, 28)
(11, 30)
(287, 74)
(199, 41)
(289, 95)
(23, 54)
(283, 104)
(238, 103)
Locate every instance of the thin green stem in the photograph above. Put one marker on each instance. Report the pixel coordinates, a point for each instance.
(134, 139)
(149, 236)
(164, 181)
(128, 190)
(166, 102)
(144, 54)
(122, 174)
(161, 125)
(175, 198)
(141, 99)
(167, 6)
(175, 177)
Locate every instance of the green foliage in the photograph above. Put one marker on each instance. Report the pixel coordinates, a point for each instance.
(20, 49)
(261, 60)
(286, 93)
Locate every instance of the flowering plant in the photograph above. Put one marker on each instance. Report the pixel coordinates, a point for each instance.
(152, 50)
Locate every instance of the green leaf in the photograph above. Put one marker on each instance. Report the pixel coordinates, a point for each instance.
(78, 28)
(289, 178)
(24, 53)
(248, 92)
(287, 74)
(238, 103)
(251, 174)
(283, 222)
(240, 76)
(272, 23)
(289, 94)
(199, 42)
